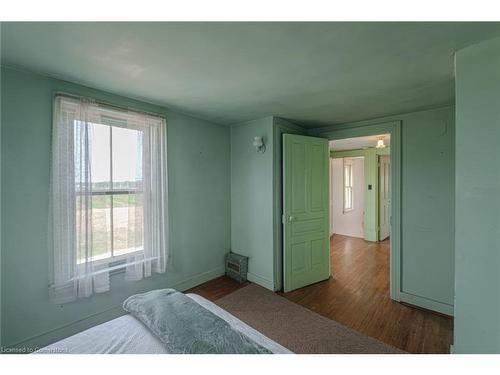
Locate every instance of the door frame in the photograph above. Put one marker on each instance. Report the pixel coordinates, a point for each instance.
(281, 127)
(394, 129)
(378, 195)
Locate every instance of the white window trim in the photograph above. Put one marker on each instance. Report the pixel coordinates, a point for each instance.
(99, 259)
(111, 191)
(347, 162)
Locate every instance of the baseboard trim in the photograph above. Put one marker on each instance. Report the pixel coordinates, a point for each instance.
(262, 281)
(199, 279)
(426, 303)
(354, 235)
(59, 333)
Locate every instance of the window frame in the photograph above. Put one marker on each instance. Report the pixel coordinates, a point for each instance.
(348, 185)
(113, 260)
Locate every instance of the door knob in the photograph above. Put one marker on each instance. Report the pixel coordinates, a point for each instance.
(291, 218)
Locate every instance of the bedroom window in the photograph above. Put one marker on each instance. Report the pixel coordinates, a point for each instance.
(348, 193)
(116, 194)
(108, 196)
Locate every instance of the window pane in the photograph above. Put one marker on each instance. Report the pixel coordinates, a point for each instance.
(127, 158)
(348, 175)
(128, 226)
(100, 223)
(347, 198)
(100, 154)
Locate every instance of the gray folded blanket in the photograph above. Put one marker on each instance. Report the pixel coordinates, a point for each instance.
(185, 326)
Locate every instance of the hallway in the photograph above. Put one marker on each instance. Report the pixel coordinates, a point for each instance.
(357, 295)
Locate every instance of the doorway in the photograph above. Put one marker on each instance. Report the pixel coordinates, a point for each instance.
(347, 196)
(342, 132)
(360, 187)
(368, 307)
(307, 210)
(393, 129)
(360, 214)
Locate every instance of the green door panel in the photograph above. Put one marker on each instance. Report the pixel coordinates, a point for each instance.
(306, 242)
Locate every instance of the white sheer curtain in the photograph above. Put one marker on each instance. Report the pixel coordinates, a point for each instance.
(97, 223)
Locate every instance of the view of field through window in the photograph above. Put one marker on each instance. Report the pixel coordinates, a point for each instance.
(116, 218)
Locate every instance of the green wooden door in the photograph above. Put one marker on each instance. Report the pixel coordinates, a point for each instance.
(306, 242)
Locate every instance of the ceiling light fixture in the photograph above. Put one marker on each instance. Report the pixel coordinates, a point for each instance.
(380, 143)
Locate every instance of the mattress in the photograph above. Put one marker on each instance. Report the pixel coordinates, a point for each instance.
(127, 335)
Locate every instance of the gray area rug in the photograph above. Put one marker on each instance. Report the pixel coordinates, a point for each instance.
(295, 327)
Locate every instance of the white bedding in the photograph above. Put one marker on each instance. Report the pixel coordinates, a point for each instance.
(127, 335)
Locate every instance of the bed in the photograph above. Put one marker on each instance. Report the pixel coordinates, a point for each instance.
(128, 335)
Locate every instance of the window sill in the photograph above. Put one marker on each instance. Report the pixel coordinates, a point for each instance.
(115, 259)
(116, 263)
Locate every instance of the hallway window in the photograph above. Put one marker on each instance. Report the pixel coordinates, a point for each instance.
(348, 194)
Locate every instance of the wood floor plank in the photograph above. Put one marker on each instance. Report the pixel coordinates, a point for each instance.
(357, 296)
(216, 288)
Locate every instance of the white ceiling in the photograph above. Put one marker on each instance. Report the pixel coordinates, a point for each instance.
(359, 142)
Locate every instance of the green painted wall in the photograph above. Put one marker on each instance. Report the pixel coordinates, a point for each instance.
(199, 188)
(427, 255)
(428, 205)
(371, 217)
(477, 261)
(252, 199)
(256, 203)
(0, 193)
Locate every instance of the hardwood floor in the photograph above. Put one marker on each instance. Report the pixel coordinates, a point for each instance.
(216, 288)
(357, 296)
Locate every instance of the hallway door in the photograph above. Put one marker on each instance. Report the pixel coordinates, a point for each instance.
(306, 240)
(384, 191)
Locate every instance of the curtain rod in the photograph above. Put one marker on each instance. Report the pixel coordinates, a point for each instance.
(108, 104)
